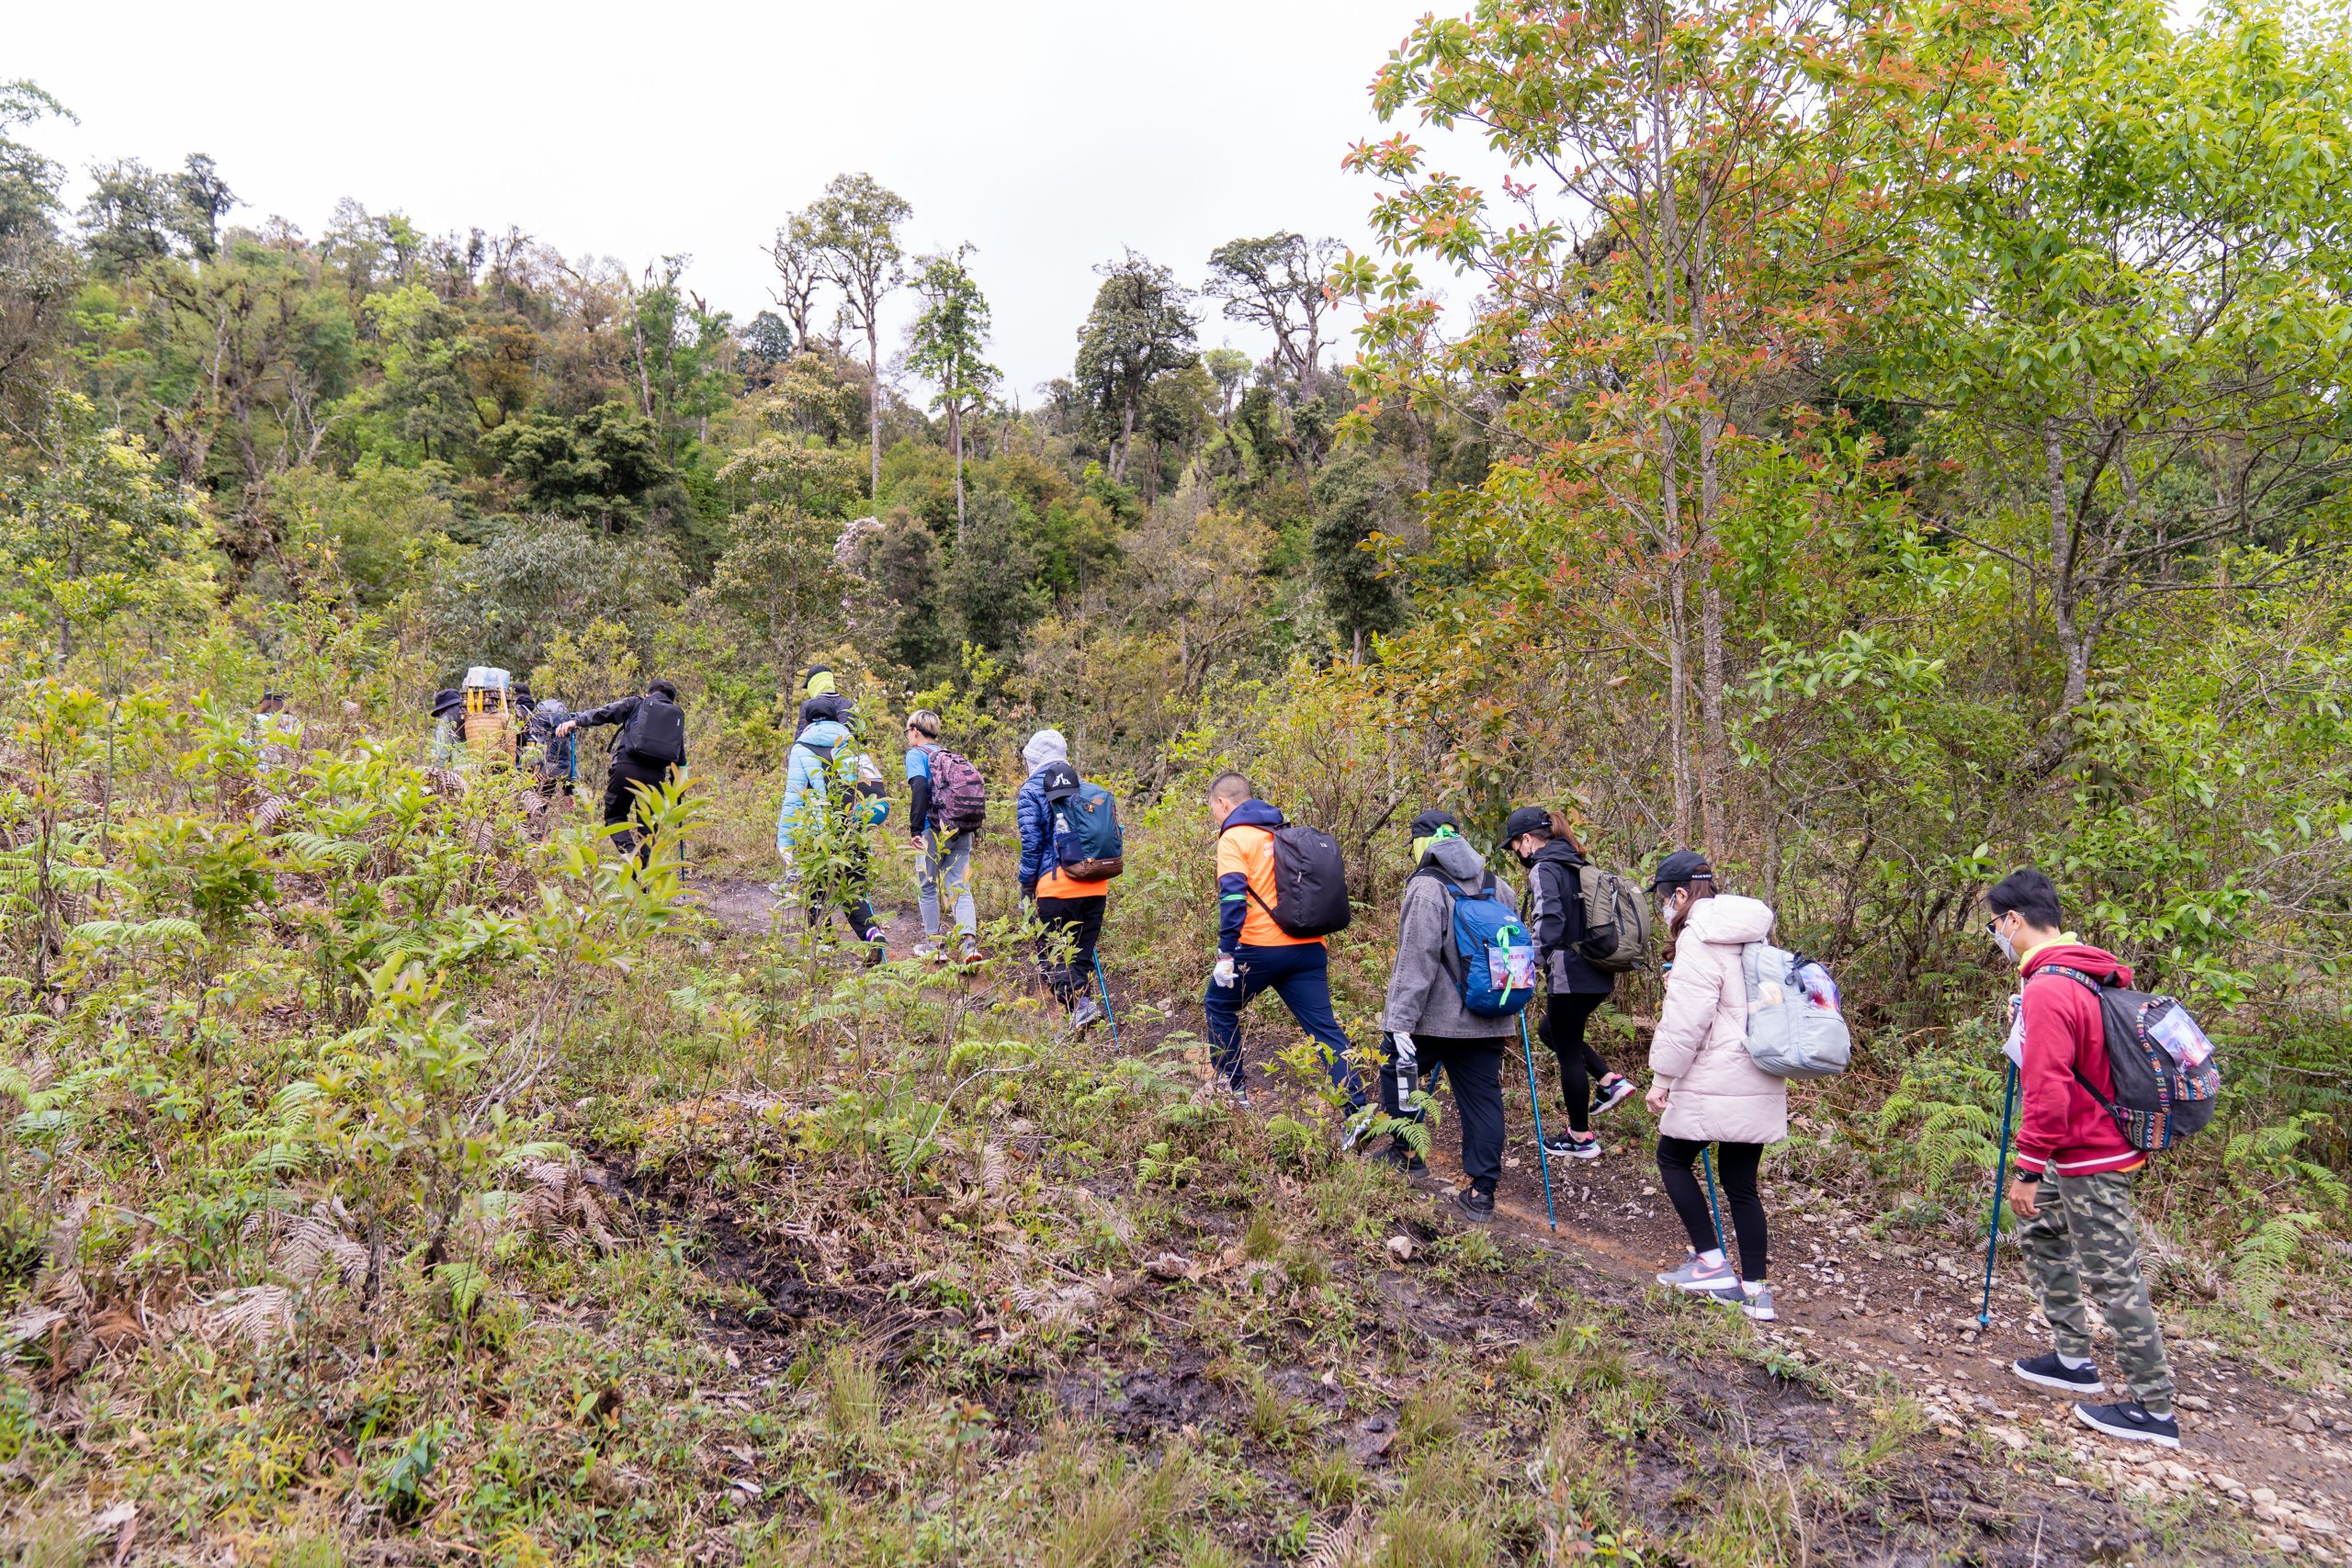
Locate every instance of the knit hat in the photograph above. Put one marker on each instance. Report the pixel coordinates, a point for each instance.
(1045, 746)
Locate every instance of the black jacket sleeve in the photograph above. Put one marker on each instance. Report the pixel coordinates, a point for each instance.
(615, 712)
(918, 802)
(1559, 907)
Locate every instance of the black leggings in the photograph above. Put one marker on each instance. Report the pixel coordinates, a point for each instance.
(1564, 1020)
(846, 893)
(1735, 1168)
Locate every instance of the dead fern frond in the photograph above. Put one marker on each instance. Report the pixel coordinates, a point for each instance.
(557, 1207)
(259, 1314)
(315, 1248)
(996, 1171)
(1349, 1544)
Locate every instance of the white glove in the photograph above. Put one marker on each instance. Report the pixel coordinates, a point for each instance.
(1222, 974)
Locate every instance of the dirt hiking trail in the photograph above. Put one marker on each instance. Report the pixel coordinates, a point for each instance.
(1859, 1307)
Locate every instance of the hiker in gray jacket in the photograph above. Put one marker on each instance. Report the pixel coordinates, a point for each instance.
(1427, 1026)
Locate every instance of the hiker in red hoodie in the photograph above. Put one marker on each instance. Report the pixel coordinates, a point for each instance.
(2075, 1171)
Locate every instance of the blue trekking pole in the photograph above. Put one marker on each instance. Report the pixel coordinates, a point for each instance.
(2000, 1176)
(1535, 1103)
(1707, 1164)
(1107, 1016)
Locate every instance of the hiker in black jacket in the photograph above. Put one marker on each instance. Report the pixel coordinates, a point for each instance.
(1555, 860)
(648, 748)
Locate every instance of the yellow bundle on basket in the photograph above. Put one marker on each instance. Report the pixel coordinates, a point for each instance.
(489, 726)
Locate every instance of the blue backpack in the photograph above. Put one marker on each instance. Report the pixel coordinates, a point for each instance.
(1089, 845)
(1492, 956)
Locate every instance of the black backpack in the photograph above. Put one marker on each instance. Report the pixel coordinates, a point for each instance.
(2167, 1076)
(1310, 883)
(656, 732)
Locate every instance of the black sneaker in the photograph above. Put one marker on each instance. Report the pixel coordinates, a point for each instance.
(1400, 1155)
(2046, 1370)
(1477, 1207)
(1612, 1092)
(2129, 1420)
(1567, 1145)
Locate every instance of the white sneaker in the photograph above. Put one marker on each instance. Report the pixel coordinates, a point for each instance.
(928, 948)
(1702, 1279)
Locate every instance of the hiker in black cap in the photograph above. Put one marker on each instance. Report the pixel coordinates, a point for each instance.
(649, 751)
(448, 710)
(1428, 1021)
(1705, 1086)
(1555, 869)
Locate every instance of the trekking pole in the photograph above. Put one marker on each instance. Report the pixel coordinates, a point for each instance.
(1107, 1016)
(2000, 1175)
(1535, 1103)
(1707, 1164)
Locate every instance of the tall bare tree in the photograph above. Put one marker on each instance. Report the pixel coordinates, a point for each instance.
(1276, 283)
(797, 273)
(855, 226)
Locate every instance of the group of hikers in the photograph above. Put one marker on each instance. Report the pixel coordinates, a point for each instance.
(1740, 1018)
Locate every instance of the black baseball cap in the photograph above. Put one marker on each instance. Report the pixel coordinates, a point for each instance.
(1526, 820)
(1428, 822)
(1681, 866)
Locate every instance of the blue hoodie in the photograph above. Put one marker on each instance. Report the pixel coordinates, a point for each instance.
(804, 776)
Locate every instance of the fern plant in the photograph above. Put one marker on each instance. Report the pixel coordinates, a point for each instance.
(2259, 1265)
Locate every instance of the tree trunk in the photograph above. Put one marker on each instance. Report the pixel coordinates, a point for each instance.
(955, 429)
(1714, 746)
(873, 398)
(1666, 247)
(2074, 640)
(1127, 439)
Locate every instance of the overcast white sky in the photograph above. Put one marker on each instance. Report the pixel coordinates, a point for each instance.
(1048, 133)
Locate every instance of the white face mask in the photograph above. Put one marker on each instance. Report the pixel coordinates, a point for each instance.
(1666, 911)
(2008, 949)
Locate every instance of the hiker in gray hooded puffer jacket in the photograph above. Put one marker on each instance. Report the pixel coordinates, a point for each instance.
(1425, 1018)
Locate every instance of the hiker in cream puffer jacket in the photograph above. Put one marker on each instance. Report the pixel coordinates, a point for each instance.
(1705, 1086)
(1714, 1091)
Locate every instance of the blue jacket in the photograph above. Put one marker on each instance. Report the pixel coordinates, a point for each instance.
(1036, 819)
(804, 779)
(1233, 887)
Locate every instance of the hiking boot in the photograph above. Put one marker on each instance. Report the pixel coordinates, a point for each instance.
(2046, 1370)
(1567, 1145)
(1087, 1012)
(1701, 1279)
(874, 952)
(1477, 1207)
(1238, 1095)
(2129, 1420)
(1400, 1154)
(1611, 1091)
(1757, 1303)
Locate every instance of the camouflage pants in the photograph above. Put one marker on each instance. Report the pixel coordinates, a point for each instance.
(2086, 1239)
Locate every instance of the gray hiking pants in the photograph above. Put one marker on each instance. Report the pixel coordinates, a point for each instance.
(945, 864)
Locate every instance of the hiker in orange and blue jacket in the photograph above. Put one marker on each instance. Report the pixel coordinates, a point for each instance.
(1253, 954)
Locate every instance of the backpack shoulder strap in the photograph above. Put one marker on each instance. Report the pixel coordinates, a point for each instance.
(2095, 986)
